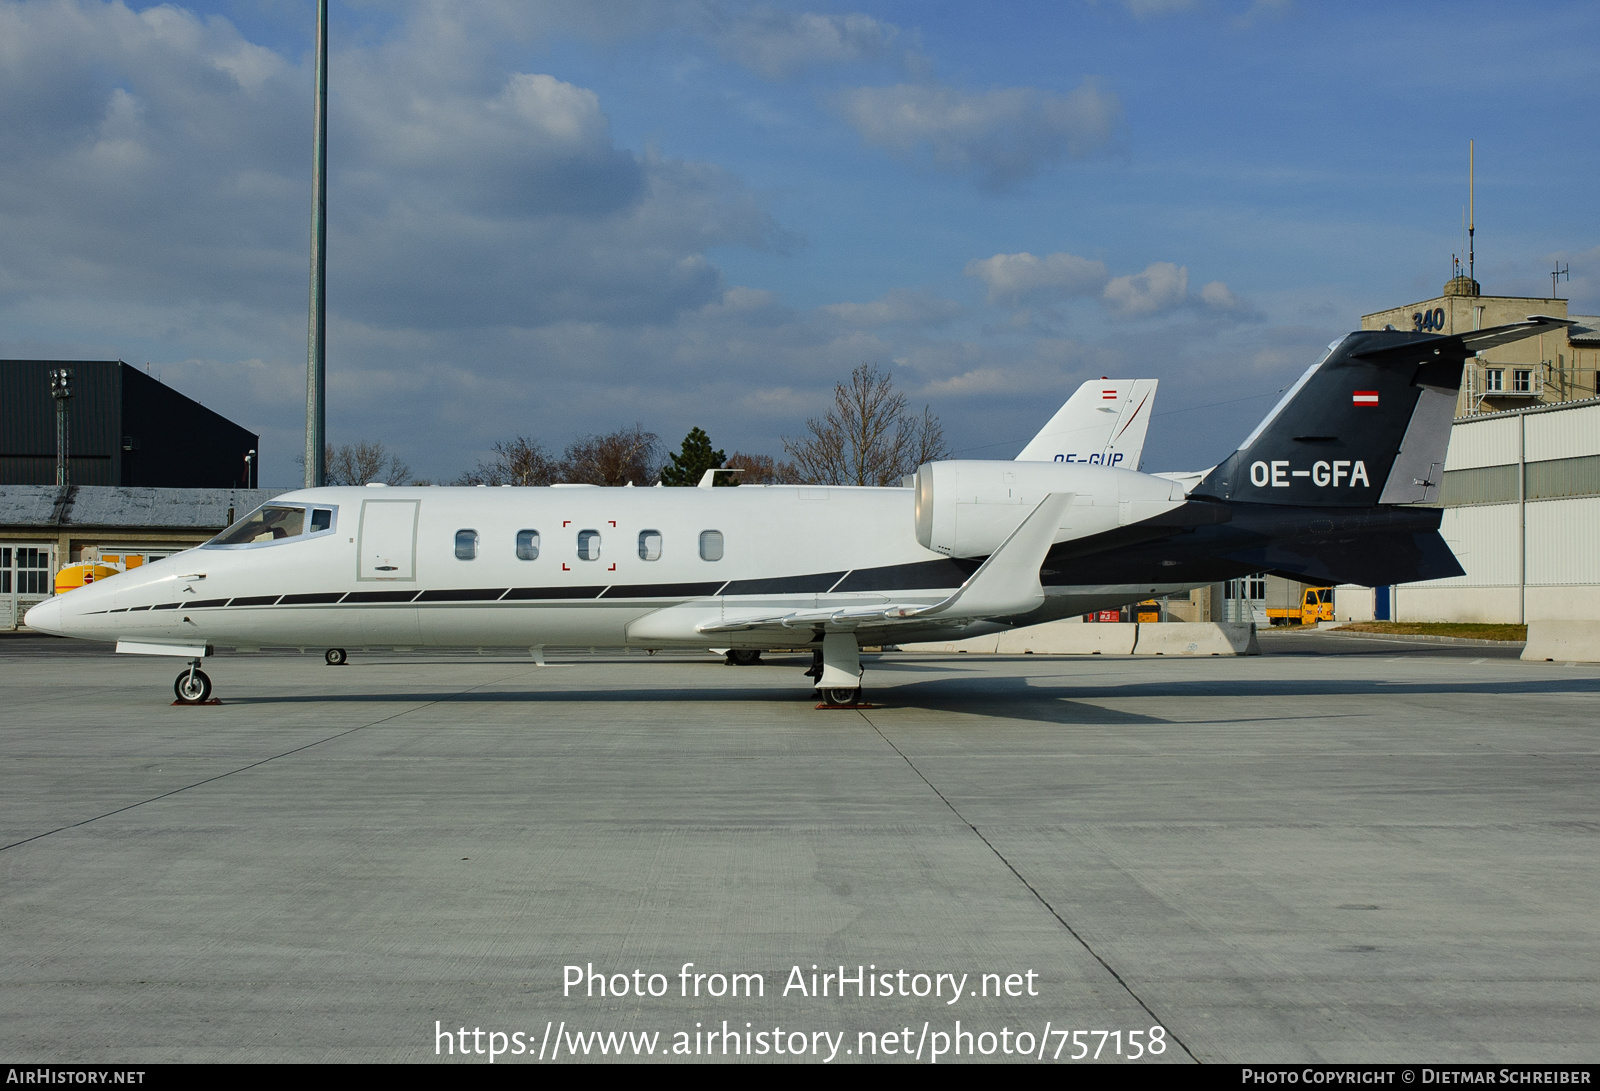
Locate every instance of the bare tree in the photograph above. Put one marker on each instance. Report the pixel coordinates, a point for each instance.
(361, 462)
(866, 437)
(926, 440)
(762, 470)
(521, 461)
(628, 456)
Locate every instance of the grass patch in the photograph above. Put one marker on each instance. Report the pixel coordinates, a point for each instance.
(1438, 628)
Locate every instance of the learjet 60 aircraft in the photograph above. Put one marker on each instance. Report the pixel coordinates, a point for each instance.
(1332, 487)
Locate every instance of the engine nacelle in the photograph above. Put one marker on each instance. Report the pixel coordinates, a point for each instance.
(966, 509)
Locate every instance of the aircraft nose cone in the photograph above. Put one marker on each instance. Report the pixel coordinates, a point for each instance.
(45, 617)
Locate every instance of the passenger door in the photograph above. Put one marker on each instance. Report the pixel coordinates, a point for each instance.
(386, 547)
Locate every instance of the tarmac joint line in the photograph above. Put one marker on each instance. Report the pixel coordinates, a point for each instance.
(1073, 932)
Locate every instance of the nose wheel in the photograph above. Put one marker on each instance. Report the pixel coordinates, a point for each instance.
(335, 657)
(838, 697)
(192, 686)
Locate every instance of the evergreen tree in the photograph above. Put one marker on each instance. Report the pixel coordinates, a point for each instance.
(688, 466)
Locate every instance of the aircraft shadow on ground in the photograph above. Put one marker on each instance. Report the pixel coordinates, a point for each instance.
(970, 692)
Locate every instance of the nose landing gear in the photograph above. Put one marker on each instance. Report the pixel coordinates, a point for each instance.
(192, 686)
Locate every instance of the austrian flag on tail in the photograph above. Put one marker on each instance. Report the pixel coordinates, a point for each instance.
(1364, 397)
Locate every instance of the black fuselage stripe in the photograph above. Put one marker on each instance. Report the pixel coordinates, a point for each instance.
(918, 576)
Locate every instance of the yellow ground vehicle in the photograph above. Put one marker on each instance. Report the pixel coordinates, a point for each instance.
(1147, 612)
(73, 576)
(1316, 604)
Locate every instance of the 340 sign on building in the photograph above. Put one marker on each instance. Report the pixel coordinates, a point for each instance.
(1428, 320)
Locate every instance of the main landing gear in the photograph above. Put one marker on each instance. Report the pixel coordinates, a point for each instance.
(335, 657)
(743, 657)
(192, 686)
(836, 666)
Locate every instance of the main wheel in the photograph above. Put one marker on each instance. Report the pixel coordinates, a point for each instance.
(192, 687)
(744, 657)
(838, 697)
(335, 657)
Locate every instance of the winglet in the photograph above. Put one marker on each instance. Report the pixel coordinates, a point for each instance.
(1008, 581)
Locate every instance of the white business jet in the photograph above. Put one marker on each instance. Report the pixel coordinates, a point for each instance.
(1325, 489)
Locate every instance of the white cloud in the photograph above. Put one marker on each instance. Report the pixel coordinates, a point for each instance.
(898, 307)
(1219, 295)
(1021, 278)
(779, 44)
(1004, 136)
(1163, 286)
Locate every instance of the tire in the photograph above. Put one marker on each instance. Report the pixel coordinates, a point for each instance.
(192, 688)
(335, 657)
(744, 657)
(838, 697)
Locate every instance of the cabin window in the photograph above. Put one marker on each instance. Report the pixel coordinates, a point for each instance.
(466, 545)
(649, 545)
(711, 545)
(588, 545)
(527, 545)
(321, 519)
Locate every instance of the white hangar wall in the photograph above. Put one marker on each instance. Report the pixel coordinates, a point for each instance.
(1521, 494)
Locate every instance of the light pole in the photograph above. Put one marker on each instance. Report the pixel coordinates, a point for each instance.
(317, 339)
(61, 391)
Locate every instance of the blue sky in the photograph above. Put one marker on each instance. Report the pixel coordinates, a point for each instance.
(550, 217)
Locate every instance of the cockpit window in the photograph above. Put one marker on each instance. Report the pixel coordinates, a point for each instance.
(267, 524)
(321, 519)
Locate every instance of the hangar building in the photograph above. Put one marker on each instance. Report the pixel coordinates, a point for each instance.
(124, 428)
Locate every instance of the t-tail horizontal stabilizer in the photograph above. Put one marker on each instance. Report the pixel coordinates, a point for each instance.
(1367, 424)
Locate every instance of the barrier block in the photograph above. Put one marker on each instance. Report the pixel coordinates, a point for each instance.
(1563, 641)
(970, 644)
(1070, 638)
(1052, 638)
(1198, 638)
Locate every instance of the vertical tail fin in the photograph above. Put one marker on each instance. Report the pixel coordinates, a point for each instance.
(1103, 423)
(1368, 424)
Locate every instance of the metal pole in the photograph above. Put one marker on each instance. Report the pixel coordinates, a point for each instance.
(317, 339)
(1522, 517)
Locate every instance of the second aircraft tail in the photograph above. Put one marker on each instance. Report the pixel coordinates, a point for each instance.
(1103, 423)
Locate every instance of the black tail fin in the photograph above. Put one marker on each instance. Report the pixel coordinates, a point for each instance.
(1368, 424)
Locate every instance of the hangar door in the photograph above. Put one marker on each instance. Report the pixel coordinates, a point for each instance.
(387, 544)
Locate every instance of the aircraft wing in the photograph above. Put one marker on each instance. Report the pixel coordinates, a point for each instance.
(1006, 584)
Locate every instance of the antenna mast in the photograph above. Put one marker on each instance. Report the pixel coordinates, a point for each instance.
(1472, 223)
